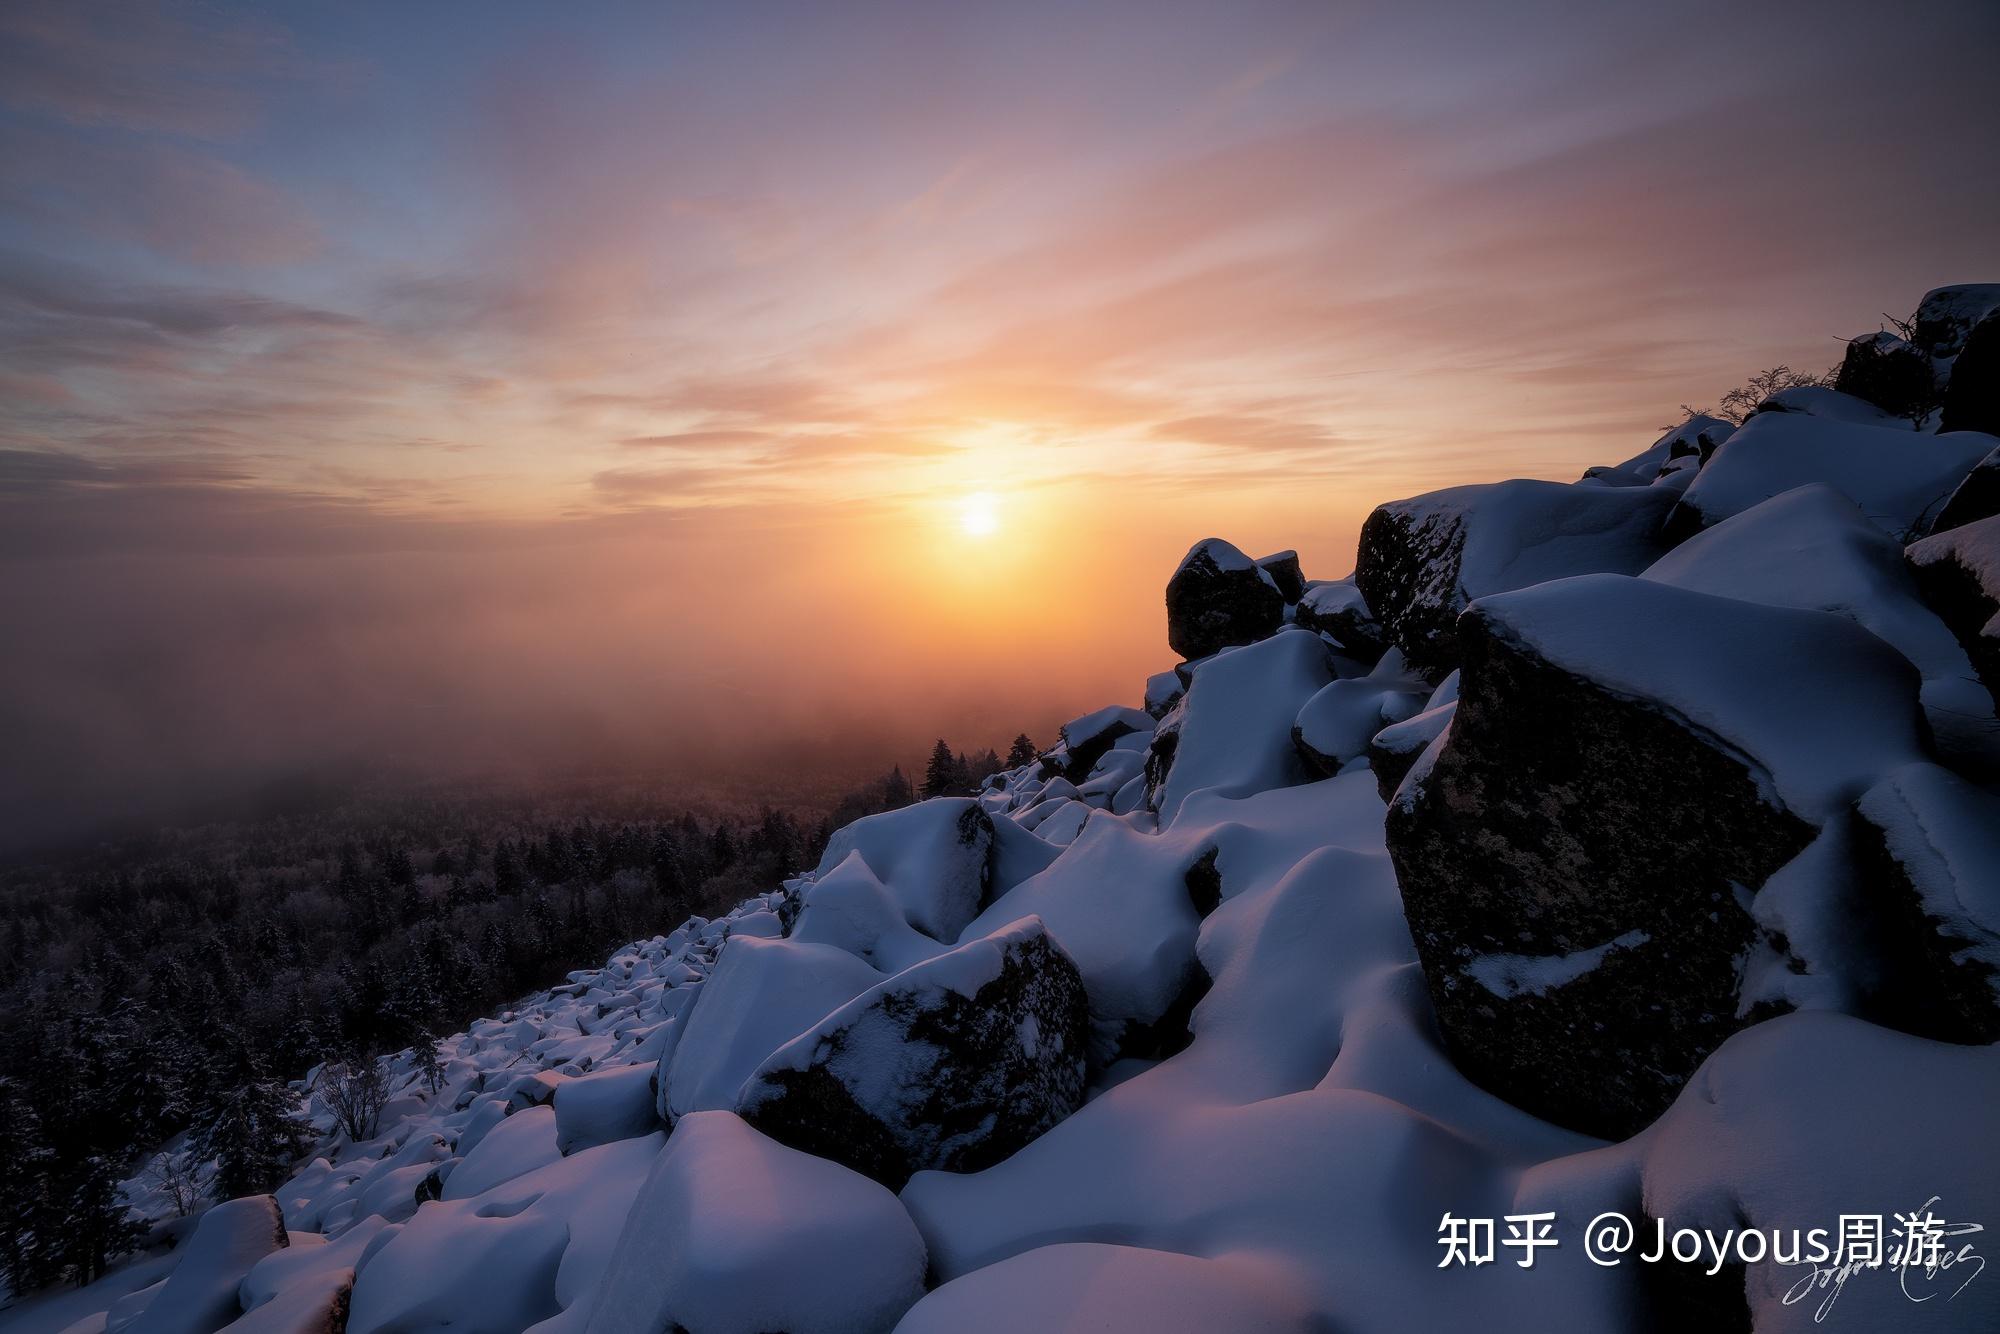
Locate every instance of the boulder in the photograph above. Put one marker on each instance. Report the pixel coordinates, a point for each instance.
(1897, 476)
(953, 1064)
(201, 1294)
(733, 1233)
(1162, 689)
(1692, 441)
(1422, 560)
(762, 994)
(1283, 567)
(1394, 751)
(606, 1106)
(1233, 730)
(1083, 741)
(1947, 315)
(935, 858)
(1959, 574)
(1335, 607)
(1975, 498)
(1814, 549)
(1219, 597)
(1337, 724)
(1627, 764)
(1972, 395)
(1890, 373)
(1930, 851)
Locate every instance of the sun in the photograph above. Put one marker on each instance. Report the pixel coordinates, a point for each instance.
(979, 514)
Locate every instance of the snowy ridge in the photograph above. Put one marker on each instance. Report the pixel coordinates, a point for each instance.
(1173, 1030)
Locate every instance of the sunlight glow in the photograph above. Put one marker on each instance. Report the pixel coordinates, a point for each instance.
(979, 514)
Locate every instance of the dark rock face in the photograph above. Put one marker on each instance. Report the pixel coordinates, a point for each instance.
(1422, 560)
(1958, 573)
(1337, 608)
(1972, 396)
(1946, 316)
(1219, 597)
(1576, 916)
(1888, 372)
(953, 1064)
(1283, 567)
(1977, 497)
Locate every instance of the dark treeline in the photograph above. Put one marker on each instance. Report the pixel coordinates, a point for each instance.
(167, 995)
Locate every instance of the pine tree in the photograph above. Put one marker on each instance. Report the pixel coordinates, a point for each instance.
(429, 1067)
(942, 774)
(1021, 752)
(896, 791)
(254, 1136)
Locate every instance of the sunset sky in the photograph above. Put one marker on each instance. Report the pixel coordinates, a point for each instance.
(512, 383)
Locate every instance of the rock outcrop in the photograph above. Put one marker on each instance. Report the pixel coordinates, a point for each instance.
(1959, 573)
(1424, 559)
(953, 1064)
(1219, 597)
(1972, 398)
(1581, 920)
(1890, 373)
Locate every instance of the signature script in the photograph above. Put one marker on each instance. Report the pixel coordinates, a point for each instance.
(1924, 1266)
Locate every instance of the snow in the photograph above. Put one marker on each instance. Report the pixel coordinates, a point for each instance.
(1643, 469)
(1945, 833)
(515, 1147)
(200, 1295)
(922, 855)
(1087, 1287)
(1798, 1121)
(1510, 975)
(1898, 477)
(1761, 679)
(605, 1106)
(732, 1233)
(849, 909)
(1812, 548)
(762, 994)
(1236, 729)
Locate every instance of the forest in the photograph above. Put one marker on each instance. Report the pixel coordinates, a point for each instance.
(166, 993)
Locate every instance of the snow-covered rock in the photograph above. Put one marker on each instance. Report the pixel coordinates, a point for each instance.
(1796, 1122)
(1335, 607)
(1898, 477)
(1946, 316)
(1931, 844)
(1423, 559)
(1337, 724)
(953, 1064)
(1218, 597)
(201, 1294)
(1888, 372)
(619, 1102)
(1959, 574)
(1090, 1287)
(1813, 549)
(1581, 922)
(1975, 498)
(733, 1233)
(933, 858)
(1233, 731)
(1283, 567)
(762, 994)
(1693, 440)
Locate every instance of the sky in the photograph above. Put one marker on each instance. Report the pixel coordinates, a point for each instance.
(457, 387)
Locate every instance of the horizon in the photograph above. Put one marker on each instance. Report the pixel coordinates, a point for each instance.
(453, 396)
